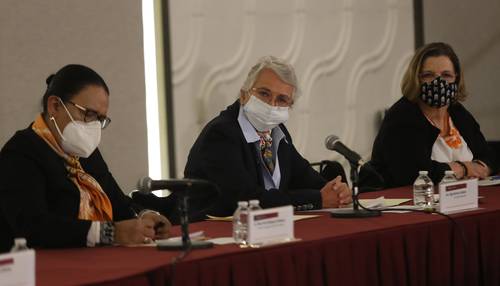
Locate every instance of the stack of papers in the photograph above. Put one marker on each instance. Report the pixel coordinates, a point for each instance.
(381, 203)
(489, 181)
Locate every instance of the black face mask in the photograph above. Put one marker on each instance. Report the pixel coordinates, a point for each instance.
(438, 92)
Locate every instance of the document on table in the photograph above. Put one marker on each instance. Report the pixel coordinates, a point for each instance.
(230, 218)
(194, 236)
(378, 203)
(489, 181)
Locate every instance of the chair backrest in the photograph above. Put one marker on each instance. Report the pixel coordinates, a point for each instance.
(6, 236)
(369, 179)
(495, 147)
(330, 170)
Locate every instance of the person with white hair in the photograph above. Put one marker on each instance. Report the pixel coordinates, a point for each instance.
(248, 152)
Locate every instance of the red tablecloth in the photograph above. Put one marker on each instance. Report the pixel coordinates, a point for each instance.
(394, 249)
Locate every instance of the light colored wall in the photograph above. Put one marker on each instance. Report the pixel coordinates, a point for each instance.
(39, 37)
(473, 30)
(349, 56)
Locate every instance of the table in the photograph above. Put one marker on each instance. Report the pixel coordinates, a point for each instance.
(394, 249)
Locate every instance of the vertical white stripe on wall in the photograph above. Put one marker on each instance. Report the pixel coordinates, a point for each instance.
(150, 76)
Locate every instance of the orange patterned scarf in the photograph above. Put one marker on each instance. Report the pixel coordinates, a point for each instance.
(94, 203)
(453, 138)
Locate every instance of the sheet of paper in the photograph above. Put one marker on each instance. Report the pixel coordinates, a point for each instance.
(402, 209)
(219, 218)
(372, 203)
(302, 217)
(222, 240)
(395, 202)
(198, 235)
(194, 236)
(489, 181)
(230, 218)
(377, 203)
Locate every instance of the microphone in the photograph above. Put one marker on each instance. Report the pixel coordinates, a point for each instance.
(146, 185)
(180, 187)
(332, 142)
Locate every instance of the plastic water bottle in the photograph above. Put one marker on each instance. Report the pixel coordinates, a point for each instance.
(240, 217)
(19, 245)
(449, 176)
(254, 205)
(423, 191)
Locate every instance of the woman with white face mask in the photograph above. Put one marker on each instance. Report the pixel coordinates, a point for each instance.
(55, 188)
(248, 152)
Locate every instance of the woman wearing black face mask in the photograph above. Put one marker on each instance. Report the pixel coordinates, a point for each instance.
(428, 128)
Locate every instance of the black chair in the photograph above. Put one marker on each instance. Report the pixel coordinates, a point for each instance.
(6, 236)
(495, 147)
(329, 170)
(200, 201)
(369, 179)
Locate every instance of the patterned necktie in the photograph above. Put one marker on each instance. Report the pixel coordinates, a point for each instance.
(265, 144)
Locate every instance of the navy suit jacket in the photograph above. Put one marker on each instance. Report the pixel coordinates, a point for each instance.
(222, 155)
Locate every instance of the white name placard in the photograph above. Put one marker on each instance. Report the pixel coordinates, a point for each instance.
(17, 268)
(270, 226)
(457, 196)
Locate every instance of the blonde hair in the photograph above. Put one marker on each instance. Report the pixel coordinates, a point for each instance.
(410, 85)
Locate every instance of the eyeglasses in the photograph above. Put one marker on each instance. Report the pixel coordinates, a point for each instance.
(266, 95)
(428, 76)
(90, 115)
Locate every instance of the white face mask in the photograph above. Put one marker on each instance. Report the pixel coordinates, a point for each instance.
(79, 138)
(263, 116)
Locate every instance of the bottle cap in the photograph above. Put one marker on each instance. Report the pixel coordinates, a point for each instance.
(20, 241)
(254, 202)
(242, 203)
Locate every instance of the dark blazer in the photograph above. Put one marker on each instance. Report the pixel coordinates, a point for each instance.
(222, 155)
(404, 143)
(39, 202)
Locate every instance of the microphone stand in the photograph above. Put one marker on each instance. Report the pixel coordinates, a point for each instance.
(186, 244)
(355, 212)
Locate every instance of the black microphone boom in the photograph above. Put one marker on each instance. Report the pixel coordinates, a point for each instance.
(180, 186)
(146, 185)
(333, 143)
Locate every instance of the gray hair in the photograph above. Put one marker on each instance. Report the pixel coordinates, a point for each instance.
(283, 70)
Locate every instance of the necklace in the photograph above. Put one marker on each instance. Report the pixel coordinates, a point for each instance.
(444, 127)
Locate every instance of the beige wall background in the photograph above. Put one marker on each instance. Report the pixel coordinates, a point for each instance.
(349, 54)
(349, 57)
(473, 29)
(39, 37)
